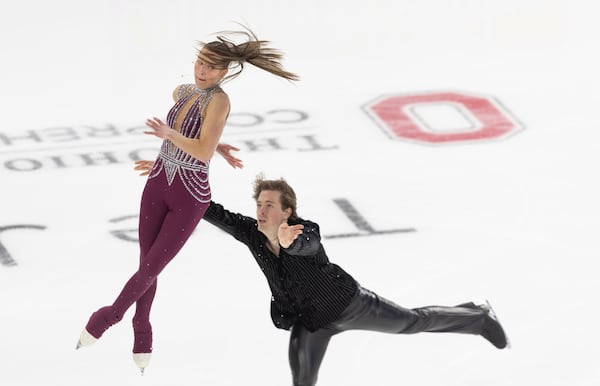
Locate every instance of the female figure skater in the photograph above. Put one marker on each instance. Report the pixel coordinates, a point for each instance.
(316, 299)
(177, 192)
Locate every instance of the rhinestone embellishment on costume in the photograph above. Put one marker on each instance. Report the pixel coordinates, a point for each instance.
(175, 162)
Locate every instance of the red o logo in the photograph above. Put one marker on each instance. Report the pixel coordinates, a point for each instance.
(439, 117)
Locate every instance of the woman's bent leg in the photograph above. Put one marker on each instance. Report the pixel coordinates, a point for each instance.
(176, 229)
(153, 210)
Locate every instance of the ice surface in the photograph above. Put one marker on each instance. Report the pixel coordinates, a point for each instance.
(513, 220)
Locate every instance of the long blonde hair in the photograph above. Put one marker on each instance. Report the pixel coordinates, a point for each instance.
(226, 54)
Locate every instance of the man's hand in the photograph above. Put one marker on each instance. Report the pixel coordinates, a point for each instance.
(288, 233)
(144, 166)
(225, 150)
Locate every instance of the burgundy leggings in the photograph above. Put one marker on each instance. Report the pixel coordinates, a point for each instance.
(168, 216)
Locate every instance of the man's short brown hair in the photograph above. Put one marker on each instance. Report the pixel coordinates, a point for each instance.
(288, 196)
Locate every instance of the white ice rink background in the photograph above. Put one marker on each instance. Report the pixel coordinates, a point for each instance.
(511, 219)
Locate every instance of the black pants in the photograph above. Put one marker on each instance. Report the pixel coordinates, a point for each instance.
(368, 311)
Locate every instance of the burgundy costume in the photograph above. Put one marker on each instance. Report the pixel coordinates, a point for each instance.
(176, 195)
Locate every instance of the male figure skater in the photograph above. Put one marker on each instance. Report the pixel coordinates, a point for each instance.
(317, 299)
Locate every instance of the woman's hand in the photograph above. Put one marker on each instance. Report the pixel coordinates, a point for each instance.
(159, 128)
(144, 166)
(225, 150)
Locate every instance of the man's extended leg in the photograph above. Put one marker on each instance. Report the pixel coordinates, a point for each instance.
(369, 311)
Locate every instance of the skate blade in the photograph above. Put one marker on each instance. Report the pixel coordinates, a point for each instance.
(142, 360)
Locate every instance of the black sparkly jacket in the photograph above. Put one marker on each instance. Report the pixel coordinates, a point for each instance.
(305, 286)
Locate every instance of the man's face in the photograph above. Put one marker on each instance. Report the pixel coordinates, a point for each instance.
(269, 213)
